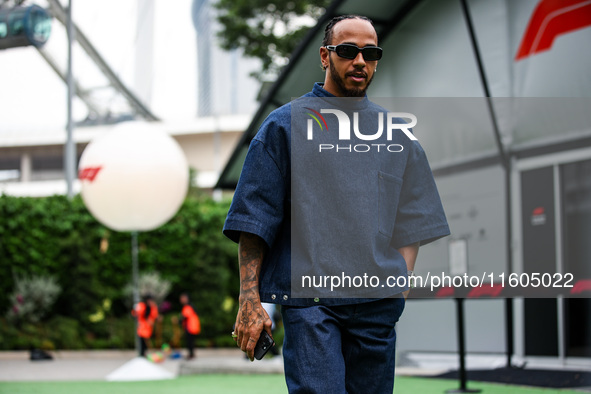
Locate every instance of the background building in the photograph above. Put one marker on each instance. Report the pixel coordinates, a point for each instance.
(160, 57)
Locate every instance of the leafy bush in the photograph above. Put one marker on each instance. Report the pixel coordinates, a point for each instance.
(56, 237)
(32, 298)
(65, 333)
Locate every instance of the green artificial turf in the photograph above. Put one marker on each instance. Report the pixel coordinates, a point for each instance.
(412, 385)
(244, 384)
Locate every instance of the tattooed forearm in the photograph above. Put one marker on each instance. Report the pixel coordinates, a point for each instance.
(251, 251)
(252, 318)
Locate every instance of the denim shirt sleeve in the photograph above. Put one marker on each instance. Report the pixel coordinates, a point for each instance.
(258, 206)
(420, 216)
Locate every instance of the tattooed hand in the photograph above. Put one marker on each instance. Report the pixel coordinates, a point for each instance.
(252, 317)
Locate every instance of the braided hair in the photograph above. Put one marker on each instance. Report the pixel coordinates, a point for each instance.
(330, 27)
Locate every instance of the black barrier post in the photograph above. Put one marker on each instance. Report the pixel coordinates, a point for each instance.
(461, 349)
(509, 331)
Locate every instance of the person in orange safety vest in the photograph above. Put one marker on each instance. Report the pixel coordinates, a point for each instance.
(146, 313)
(191, 324)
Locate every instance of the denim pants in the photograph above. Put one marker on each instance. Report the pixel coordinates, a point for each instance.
(341, 349)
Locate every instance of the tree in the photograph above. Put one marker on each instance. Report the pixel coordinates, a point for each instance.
(268, 30)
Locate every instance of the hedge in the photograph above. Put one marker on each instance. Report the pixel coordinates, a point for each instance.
(54, 236)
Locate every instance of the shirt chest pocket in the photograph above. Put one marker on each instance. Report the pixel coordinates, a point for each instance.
(389, 187)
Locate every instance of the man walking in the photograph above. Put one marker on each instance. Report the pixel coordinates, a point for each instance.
(307, 213)
(191, 325)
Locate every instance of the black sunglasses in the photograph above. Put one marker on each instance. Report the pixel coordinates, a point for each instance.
(350, 51)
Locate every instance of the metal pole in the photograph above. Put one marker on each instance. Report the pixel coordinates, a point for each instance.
(461, 350)
(505, 157)
(70, 149)
(135, 280)
(509, 332)
(461, 342)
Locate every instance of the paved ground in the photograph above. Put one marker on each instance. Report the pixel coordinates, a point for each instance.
(96, 365)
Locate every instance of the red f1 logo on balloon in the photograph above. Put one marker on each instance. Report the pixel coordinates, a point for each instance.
(88, 173)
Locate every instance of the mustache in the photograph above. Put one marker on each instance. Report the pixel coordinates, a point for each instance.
(356, 74)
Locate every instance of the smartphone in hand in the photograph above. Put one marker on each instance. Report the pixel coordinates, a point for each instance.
(264, 344)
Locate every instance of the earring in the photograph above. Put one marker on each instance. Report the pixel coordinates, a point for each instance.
(323, 67)
(375, 70)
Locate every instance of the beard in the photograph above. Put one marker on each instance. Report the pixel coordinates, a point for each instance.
(340, 83)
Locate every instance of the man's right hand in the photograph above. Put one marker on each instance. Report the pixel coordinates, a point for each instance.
(251, 320)
(252, 317)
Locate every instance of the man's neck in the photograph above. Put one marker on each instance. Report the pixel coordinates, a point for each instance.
(331, 87)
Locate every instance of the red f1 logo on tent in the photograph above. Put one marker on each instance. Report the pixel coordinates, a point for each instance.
(550, 19)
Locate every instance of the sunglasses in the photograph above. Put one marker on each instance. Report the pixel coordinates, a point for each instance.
(350, 51)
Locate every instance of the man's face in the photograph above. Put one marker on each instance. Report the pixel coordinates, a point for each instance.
(349, 77)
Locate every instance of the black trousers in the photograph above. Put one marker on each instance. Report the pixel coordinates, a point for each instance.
(143, 346)
(190, 343)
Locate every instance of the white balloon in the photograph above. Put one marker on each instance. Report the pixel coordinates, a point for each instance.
(134, 177)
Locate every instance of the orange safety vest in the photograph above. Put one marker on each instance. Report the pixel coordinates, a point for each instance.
(191, 321)
(145, 323)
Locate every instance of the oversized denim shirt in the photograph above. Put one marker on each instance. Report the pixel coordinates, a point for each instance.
(262, 205)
